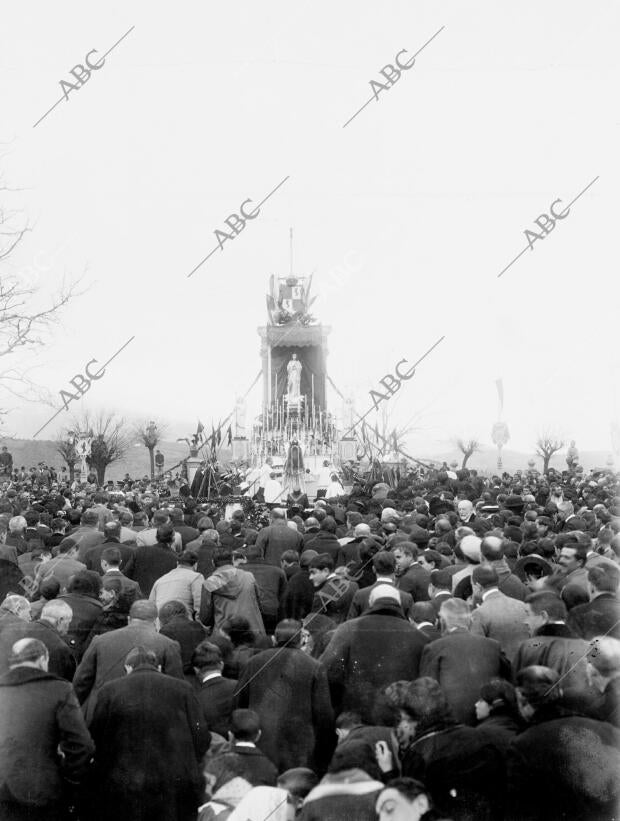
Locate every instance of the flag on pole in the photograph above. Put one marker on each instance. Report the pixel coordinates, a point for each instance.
(499, 383)
(229, 434)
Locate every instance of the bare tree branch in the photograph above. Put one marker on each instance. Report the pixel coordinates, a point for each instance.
(546, 445)
(468, 448)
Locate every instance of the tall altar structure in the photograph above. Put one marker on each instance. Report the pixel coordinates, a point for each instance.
(294, 373)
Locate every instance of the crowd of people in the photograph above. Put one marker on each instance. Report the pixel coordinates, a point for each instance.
(446, 648)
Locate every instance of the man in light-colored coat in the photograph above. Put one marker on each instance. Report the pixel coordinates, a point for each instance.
(105, 658)
(498, 617)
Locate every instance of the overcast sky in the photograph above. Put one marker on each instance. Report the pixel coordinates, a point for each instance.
(421, 200)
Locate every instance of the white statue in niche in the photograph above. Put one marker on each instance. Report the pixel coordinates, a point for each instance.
(293, 370)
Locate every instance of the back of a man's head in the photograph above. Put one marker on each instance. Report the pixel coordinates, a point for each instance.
(455, 613)
(441, 579)
(254, 552)
(28, 653)
(112, 530)
(143, 610)
(165, 534)
(176, 516)
(56, 611)
(112, 556)
(89, 518)
(49, 588)
(384, 563)
(423, 611)
(298, 782)
(328, 524)
(141, 657)
(546, 601)
(207, 656)
(187, 558)
(222, 556)
(172, 609)
(538, 685)
(604, 579)
(16, 605)
(160, 517)
(323, 561)
(245, 725)
(85, 583)
(278, 513)
(356, 754)
(492, 548)
(485, 575)
(288, 633)
(604, 656)
(205, 523)
(306, 557)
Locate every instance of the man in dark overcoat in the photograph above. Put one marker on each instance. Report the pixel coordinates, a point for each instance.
(370, 652)
(150, 735)
(39, 718)
(289, 692)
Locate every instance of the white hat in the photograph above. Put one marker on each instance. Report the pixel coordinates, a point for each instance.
(470, 545)
(384, 591)
(389, 514)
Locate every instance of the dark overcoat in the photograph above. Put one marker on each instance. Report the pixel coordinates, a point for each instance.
(289, 691)
(150, 735)
(462, 663)
(39, 714)
(368, 653)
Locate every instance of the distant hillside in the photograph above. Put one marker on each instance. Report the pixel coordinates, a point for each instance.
(512, 460)
(29, 452)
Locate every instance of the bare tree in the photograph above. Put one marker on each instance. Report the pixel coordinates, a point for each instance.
(150, 434)
(111, 439)
(546, 445)
(467, 447)
(26, 313)
(374, 441)
(64, 445)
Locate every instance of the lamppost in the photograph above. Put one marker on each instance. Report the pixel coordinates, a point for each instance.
(82, 442)
(500, 436)
(150, 440)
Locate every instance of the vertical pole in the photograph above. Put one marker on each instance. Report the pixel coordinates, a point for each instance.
(269, 376)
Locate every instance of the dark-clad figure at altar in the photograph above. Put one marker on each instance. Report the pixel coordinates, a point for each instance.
(294, 472)
(297, 498)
